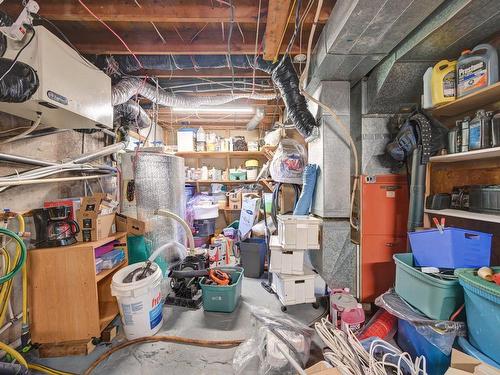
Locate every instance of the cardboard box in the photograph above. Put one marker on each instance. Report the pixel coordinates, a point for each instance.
(463, 364)
(130, 225)
(235, 200)
(94, 227)
(322, 368)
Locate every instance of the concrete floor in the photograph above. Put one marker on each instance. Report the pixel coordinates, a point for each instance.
(174, 359)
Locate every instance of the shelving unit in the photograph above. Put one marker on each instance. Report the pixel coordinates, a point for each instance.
(486, 153)
(487, 98)
(465, 215)
(68, 301)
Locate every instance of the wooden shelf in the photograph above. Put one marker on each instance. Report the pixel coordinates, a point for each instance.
(465, 215)
(470, 155)
(104, 273)
(487, 98)
(221, 182)
(221, 154)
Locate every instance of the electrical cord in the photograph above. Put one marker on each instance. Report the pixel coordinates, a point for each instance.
(14, 61)
(22, 258)
(33, 126)
(217, 344)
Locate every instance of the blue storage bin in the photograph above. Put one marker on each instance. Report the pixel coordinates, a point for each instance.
(454, 248)
(412, 342)
(482, 305)
(467, 348)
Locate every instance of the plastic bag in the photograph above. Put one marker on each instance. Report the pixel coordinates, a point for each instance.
(440, 333)
(274, 332)
(288, 162)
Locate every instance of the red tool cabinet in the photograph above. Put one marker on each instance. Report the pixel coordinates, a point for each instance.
(384, 216)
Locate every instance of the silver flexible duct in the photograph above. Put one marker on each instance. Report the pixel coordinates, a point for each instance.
(131, 86)
(256, 119)
(131, 113)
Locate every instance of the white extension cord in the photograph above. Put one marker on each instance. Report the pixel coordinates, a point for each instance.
(350, 358)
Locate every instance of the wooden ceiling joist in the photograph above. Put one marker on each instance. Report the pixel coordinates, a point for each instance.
(277, 16)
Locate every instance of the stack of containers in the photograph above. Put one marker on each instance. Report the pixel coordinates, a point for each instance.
(292, 281)
(438, 298)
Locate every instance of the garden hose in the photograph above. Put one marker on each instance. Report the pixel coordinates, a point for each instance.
(22, 259)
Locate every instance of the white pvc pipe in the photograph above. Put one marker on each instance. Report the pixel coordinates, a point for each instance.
(49, 180)
(11, 322)
(189, 234)
(166, 246)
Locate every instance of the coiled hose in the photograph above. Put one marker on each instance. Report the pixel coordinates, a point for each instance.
(22, 259)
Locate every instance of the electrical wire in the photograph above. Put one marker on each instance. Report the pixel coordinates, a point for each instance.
(229, 36)
(19, 54)
(217, 344)
(302, 83)
(256, 47)
(112, 31)
(33, 126)
(22, 258)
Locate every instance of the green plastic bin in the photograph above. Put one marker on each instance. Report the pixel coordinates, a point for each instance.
(223, 298)
(438, 299)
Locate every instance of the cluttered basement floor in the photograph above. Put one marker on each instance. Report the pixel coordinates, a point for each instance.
(268, 187)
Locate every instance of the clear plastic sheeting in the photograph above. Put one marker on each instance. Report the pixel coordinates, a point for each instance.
(274, 333)
(19, 84)
(131, 115)
(440, 333)
(288, 162)
(159, 184)
(131, 86)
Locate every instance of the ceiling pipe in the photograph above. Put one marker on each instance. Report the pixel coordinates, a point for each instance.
(256, 119)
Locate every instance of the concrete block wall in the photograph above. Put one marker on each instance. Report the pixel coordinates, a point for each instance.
(54, 147)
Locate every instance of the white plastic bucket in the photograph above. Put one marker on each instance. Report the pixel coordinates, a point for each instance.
(139, 302)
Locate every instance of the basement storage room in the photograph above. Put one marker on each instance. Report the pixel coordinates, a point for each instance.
(250, 187)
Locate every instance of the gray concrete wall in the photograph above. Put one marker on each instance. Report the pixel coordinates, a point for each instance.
(55, 147)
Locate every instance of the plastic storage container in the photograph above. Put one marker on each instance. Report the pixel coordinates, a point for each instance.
(427, 96)
(294, 289)
(482, 304)
(438, 299)
(186, 139)
(289, 262)
(204, 227)
(205, 211)
(455, 248)
(298, 232)
(485, 198)
(495, 130)
(253, 256)
(443, 88)
(412, 342)
(223, 298)
(476, 69)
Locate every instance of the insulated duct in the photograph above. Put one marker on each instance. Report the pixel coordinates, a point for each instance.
(131, 86)
(131, 115)
(256, 119)
(283, 75)
(19, 84)
(286, 80)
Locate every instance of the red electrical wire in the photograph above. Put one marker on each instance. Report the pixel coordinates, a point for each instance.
(112, 31)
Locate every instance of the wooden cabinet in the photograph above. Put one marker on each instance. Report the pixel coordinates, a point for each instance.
(67, 300)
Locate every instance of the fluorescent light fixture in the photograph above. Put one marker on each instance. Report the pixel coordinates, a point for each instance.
(230, 110)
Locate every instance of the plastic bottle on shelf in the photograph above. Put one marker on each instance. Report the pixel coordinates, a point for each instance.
(476, 69)
(204, 172)
(427, 96)
(201, 141)
(443, 87)
(465, 134)
(479, 131)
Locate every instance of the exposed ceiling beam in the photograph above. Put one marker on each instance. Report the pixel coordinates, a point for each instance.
(176, 11)
(277, 15)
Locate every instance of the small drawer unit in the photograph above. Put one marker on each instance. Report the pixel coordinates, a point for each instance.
(290, 262)
(295, 289)
(299, 232)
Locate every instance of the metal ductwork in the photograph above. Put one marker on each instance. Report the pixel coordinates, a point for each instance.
(131, 86)
(131, 115)
(453, 27)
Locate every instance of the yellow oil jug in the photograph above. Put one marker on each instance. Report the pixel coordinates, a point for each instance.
(443, 87)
